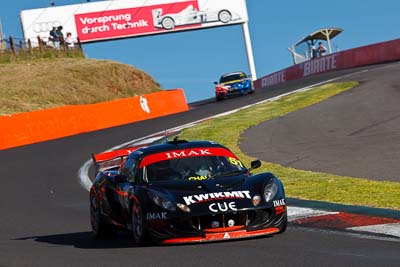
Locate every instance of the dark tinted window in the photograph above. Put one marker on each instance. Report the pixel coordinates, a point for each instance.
(233, 77)
(191, 168)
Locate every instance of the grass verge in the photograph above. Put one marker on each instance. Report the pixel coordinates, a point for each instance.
(298, 183)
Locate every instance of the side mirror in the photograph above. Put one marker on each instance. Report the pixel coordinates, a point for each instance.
(255, 164)
(249, 76)
(215, 83)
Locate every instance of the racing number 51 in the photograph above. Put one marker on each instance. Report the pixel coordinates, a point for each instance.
(235, 162)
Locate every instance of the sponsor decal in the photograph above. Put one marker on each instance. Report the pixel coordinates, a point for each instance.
(144, 104)
(216, 196)
(105, 20)
(279, 202)
(188, 153)
(193, 152)
(45, 26)
(198, 178)
(232, 82)
(224, 206)
(322, 64)
(156, 216)
(273, 79)
(116, 23)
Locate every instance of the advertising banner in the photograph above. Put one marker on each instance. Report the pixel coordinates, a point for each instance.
(361, 56)
(107, 20)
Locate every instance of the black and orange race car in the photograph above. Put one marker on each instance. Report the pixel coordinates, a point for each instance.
(183, 192)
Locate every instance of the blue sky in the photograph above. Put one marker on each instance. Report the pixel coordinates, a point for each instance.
(194, 60)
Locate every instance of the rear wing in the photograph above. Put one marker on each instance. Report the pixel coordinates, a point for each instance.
(111, 159)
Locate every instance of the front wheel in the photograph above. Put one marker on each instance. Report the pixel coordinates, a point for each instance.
(168, 23)
(219, 98)
(224, 16)
(139, 229)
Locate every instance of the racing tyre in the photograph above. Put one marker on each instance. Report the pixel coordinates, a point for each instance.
(99, 228)
(219, 98)
(168, 23)
(224, 16)
(139, 228)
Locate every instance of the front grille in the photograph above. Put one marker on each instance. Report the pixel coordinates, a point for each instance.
(222, 220)
(240, 218)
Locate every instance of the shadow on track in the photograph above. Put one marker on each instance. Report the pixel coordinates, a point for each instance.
(83, 240)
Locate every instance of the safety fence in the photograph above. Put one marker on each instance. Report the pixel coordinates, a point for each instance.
(21, 48)
(37, 126)
(366, 55)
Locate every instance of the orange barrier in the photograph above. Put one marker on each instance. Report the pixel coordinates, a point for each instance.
(36, 126)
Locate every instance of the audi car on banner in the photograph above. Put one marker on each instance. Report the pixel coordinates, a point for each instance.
(233, 83)
(191, 15)
(184, 192)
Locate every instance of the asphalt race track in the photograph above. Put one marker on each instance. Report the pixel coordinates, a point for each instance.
(356, 133)
(45, 212)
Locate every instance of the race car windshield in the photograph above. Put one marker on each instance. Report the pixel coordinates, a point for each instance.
(233, 77)
(193, 168)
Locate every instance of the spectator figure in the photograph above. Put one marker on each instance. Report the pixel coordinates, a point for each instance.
(60, 34)
(314, 52)
(55, 38)
(3, 45)
(321, 49)
(69, 42)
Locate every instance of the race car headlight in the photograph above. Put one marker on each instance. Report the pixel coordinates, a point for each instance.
(270, 190)
(256, 200)
(166, 204)
(183, 207)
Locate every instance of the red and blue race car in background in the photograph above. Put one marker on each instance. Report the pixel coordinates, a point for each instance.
(233, 83)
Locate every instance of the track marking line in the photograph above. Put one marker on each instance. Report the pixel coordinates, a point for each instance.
(297, 213)
(392, 229)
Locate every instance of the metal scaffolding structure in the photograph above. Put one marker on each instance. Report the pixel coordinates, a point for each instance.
(326, 34)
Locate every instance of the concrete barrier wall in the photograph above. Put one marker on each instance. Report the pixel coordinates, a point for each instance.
(36, 126)
(356, 57)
